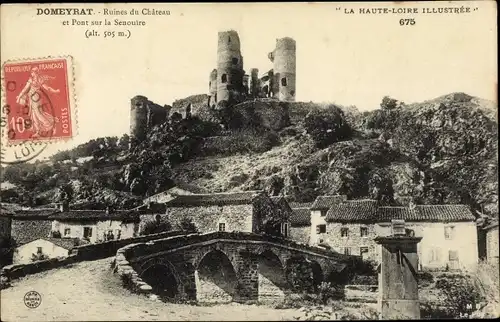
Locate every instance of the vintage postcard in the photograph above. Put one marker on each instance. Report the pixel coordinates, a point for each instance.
(249, 161)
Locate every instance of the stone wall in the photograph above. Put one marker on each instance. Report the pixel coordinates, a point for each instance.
(300, 234)
(353, 242)
(207, 219)
(492, 245)
(77, 254)
(26, 230)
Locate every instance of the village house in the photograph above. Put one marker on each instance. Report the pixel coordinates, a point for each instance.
(492, 242)
(43, 248)
(94, 225)
(300, 222)
(449, 233)
(318, 214)
(28, 224)
(350, 226)
(249, 211)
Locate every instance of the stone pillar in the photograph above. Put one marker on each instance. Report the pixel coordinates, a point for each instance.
(248, 277)
(187, 277)
(398, 288)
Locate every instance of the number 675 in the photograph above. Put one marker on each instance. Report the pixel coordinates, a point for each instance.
(406, 22)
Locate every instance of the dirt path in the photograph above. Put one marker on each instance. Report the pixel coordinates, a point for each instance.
(89, 291)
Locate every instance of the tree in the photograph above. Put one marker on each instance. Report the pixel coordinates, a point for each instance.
(327, 126)
(159, 225)
(187, 225)
(389, 103)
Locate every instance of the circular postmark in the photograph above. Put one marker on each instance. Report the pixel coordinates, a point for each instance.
(32, 299)
(16, 118)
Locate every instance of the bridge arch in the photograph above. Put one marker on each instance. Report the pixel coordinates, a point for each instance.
(215, 277)
(303, 273)
(272, 278)
(161, 275)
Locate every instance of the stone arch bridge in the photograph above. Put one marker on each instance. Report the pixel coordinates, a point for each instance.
(226, 266)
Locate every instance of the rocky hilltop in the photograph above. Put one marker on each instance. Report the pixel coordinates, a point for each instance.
(439, 151)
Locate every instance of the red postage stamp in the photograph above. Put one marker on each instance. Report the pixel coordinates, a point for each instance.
(38, 100)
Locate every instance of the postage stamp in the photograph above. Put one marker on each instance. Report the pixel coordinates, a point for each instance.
(39, 103)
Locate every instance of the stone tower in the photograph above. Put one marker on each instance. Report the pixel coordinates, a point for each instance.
(212, 88)
(284, 61)
(229, 66)
(254, 82)
(138, 117)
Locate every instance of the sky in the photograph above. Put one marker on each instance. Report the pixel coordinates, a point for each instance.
(346, 59)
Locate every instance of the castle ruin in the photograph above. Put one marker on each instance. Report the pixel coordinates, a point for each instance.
(229, 82)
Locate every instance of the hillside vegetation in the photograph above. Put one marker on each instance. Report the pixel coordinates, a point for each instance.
(439, 151)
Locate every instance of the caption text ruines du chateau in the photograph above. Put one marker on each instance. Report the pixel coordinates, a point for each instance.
(82, 17)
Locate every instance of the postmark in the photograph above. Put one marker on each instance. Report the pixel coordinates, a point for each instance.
(38, 106)
(32, 299)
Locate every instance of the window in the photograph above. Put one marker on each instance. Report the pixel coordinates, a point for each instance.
(283, 81)
(67, 231)
(87, 232)
(347, 250)
(323, 213)
(222, 226)
(284, 229)
(363, 250)
(434, 255)
(39, 250)
(224, 78)
(448, 232)
(344, 232)
(320, 229)
(234, 60)
(363, 231)
(228, 40)
(453, 256)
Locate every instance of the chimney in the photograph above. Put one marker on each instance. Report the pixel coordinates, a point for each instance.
(398, 227)
(64, 206)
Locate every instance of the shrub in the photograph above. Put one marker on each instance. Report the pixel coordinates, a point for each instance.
(328, 291)
(156, 226)
(460, 295)
(364, 280)
(327, 126)
(187, 225)
(425, 278)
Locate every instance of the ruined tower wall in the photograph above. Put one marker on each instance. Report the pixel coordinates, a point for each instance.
(212, 88)
(254, 84)
(145, 114)
(284, 59)
(229, 66)
(138, 117)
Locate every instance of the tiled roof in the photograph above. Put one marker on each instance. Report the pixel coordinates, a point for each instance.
(214, 199)
(79, 215)
(294, 204)
(189, 187)
(352, 211)
(326, 202)
(66, 243)
(428, 213)
(300, 217)
(40, 213)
